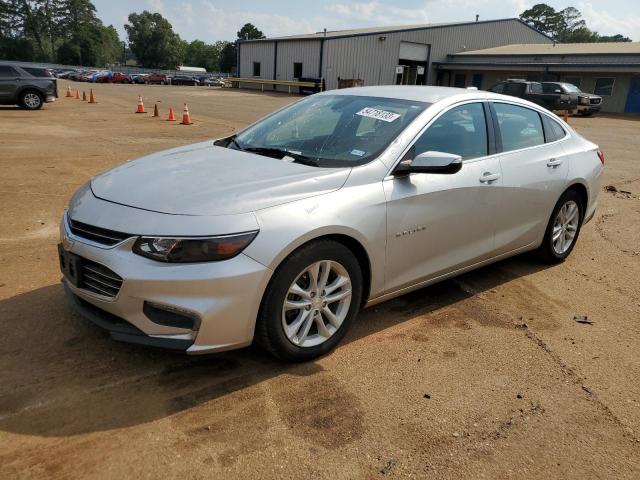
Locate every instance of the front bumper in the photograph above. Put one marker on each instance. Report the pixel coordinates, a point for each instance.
(589, 108)
(224, 297)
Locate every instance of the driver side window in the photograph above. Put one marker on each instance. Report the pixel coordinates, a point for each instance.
(460, 131)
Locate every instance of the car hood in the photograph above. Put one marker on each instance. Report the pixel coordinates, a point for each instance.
(203, 179)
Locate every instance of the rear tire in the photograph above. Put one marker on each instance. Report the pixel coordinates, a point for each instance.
(31, 100)
(310, 302)
(563, 228)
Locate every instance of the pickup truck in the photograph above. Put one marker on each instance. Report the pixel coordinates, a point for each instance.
(534, 92)
(26, 86)
(588, 103)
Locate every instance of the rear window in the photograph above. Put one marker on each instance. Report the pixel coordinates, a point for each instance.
(552, 130)
(38, 72)
(520, 127)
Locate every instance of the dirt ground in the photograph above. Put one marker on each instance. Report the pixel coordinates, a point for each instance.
(485, 376)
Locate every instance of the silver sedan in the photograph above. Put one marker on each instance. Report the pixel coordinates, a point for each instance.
(280, 233)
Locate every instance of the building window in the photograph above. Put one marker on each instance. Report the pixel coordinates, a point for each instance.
(460, 80)
(573, 81)
(256, 69)
(604, 86)
(297, 70)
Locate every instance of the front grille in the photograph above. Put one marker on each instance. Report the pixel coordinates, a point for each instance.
(595, 101)
(99, 279)
(97, 234)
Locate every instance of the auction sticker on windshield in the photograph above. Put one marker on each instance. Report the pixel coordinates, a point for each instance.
(378, 114)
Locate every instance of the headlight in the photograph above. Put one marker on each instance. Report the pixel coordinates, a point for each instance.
(584, 100)
(199, 249)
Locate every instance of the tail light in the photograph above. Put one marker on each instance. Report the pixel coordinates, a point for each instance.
(601, 156)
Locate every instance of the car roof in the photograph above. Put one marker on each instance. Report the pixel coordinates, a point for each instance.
(426, 94)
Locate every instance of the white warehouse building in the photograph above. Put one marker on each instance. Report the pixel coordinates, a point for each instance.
(378, 55)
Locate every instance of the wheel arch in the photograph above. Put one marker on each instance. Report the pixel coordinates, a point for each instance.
(582, 191)
(352, 243)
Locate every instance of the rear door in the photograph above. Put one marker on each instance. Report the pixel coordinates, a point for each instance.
(534, 171)
(8, 82)
(437, 223)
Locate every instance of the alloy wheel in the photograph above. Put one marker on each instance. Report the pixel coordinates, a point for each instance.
(32, 100)
(565, 227)
(316, 303)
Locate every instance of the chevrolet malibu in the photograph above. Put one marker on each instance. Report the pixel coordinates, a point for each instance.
(281, 233)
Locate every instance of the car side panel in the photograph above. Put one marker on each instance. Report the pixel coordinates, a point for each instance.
(357, 210)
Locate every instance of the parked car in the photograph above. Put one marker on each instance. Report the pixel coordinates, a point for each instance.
(534, 92)
(139, 78)
(280, 233)
(119, 77)
(26, 86)
(184, 80)
(211, 81)
(157, 78)
(588, 103)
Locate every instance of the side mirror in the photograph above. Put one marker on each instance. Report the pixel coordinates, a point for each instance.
(557, 90)
(431, 162)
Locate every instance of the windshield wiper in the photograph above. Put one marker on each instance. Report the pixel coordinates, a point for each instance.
(281, 153)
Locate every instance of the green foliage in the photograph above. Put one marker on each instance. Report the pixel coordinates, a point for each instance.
(153, 41)
(200, 54)
(56, 30)
(69, 32)
(249, 32)
(227, 56)
(566, 26)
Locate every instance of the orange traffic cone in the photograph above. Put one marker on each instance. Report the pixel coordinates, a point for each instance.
(155, 110)
(84, 96)
(172, 117)
(77, 94)
(92, 99)
(69, 94)
(186, 118)
(565, 115)
(140, 105)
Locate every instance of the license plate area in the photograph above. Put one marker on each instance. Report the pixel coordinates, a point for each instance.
(70, 265)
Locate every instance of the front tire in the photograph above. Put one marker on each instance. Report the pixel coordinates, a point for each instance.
(563, 228)
(310, 302)
(31, 100)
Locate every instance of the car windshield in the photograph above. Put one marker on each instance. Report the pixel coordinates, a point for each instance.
(570, 87)
(330, 130)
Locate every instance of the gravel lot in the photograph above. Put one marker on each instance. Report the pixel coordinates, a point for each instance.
(484, 376)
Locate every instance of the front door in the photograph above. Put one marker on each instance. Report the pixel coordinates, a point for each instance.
(437, 223)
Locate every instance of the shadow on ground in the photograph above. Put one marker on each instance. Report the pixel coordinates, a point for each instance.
(62, 376)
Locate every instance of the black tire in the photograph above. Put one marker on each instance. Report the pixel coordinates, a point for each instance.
(586, 114)
(31, 100)
(546, 252)
(270, 334)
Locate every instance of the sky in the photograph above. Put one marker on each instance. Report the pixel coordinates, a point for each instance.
(212, 20)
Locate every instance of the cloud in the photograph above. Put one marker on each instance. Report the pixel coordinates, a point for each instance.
(377, 13)
(605, 24)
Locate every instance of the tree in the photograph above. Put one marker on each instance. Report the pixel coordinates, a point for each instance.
(47, 30)
(249, 32)
(565, 26)
(614, 38)
(543, 18)
(227, 56)
(200, 54)
(153, 41)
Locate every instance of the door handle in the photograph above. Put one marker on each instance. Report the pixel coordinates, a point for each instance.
(554, 162)
(488, 177)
